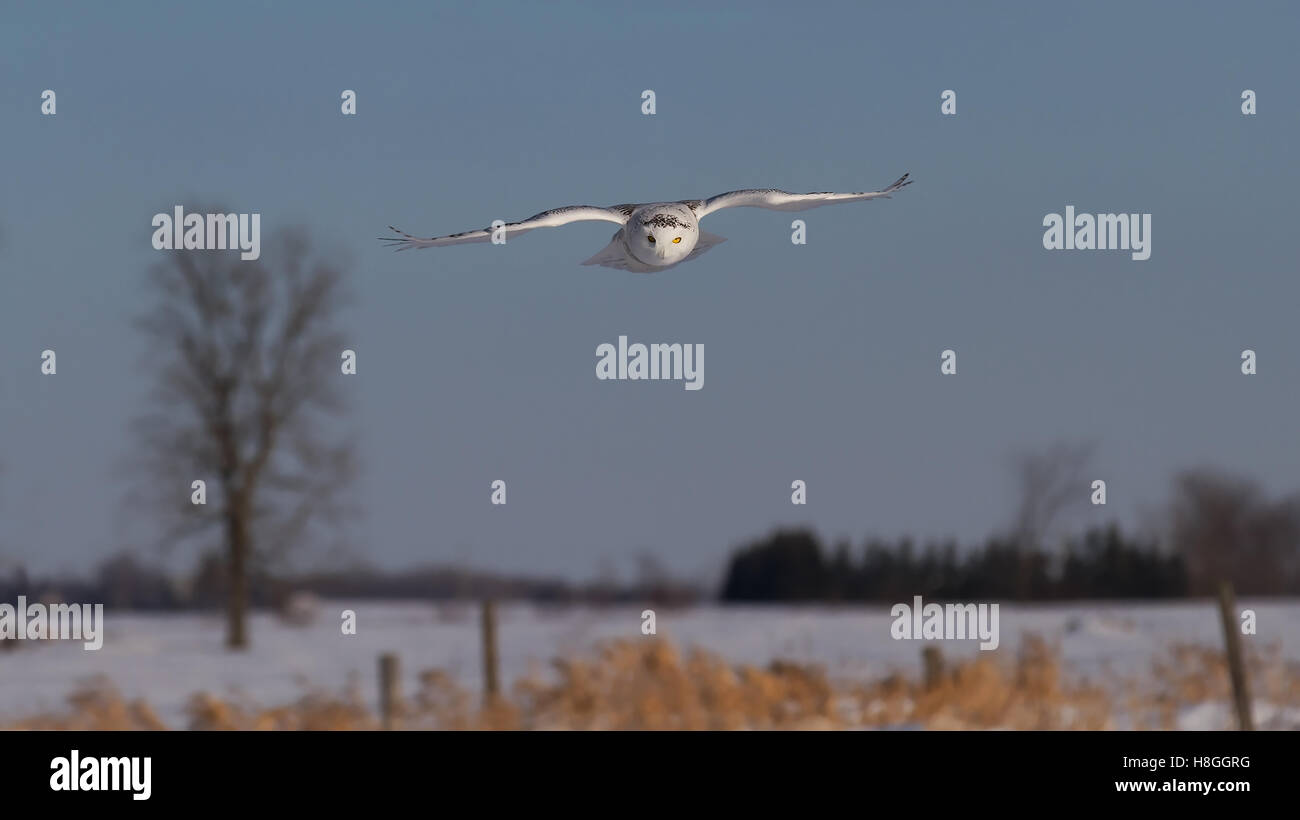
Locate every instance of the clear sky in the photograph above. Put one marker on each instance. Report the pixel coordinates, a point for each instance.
(822, 361)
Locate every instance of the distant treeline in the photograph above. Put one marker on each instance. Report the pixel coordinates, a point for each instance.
(793, 565)
(1216, 529)
(785, 566)
(126, 582)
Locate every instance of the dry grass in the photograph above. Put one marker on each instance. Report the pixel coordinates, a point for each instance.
(652, 685)
(96, 705)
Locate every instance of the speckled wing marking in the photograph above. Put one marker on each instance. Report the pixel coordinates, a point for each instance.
(662, 220)
(546, 219)
(777, 200)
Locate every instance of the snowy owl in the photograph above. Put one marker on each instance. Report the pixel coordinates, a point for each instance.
(654, 236)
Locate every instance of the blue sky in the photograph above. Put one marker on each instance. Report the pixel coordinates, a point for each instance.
(477, 362)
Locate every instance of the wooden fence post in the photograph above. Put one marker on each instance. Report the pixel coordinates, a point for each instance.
(1236, 666)
(932, 662)
(389, 675)
(489, 649)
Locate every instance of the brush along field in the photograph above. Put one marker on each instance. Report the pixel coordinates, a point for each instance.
(1103, 666)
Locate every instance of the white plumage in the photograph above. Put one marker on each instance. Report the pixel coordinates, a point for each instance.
(652, 236)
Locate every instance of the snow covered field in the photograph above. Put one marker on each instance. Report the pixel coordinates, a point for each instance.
(165, 659)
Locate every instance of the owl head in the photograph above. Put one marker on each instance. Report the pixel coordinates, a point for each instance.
(662, 236)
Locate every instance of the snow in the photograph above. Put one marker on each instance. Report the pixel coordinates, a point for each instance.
(166, 658)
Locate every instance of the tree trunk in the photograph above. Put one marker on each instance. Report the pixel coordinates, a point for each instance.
(237, 605)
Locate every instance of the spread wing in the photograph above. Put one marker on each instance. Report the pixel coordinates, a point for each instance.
(775, 200)
(546, 219)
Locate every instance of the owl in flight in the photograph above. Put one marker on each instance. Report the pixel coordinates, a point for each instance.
(651, 237)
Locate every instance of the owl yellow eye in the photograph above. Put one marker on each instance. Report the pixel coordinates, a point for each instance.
(651, 238)
(678, 239)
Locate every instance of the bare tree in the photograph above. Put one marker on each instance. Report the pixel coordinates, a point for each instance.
(246, 355)
(1050, 483)
(1228, 530)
